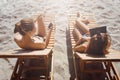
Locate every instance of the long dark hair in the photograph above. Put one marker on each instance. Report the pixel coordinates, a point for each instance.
(100, 42)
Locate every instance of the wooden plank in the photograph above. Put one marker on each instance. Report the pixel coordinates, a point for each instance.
(20, 53)
(51, 73)
(113, 55)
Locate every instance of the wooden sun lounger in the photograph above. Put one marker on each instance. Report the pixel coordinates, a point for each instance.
(36, 64)
(81, 60)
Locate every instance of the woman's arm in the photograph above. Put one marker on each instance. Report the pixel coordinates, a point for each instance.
(47, 38)
(78, 36)
(41, 26)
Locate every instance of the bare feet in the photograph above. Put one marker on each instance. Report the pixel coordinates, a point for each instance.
(84, 19)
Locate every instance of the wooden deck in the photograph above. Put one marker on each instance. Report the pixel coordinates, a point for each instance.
(91, 67)
(26, 68)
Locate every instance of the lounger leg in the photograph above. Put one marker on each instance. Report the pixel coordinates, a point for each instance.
(46, 65)
(14, 74)
(76, 66)
(81, 70)
(116, 77)
(17, 70)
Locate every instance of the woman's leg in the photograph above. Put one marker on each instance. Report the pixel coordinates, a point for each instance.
(76, 33)
(82, 47)
(81, 23)
(78, 36)
(41, 26)
(82, 43)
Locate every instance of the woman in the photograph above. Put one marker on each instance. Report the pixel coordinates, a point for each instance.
(98, 43)
(32, 35)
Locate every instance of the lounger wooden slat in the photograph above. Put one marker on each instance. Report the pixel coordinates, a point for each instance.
(114, 55)
(82, 59)
(44, 56)
(20, 53)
